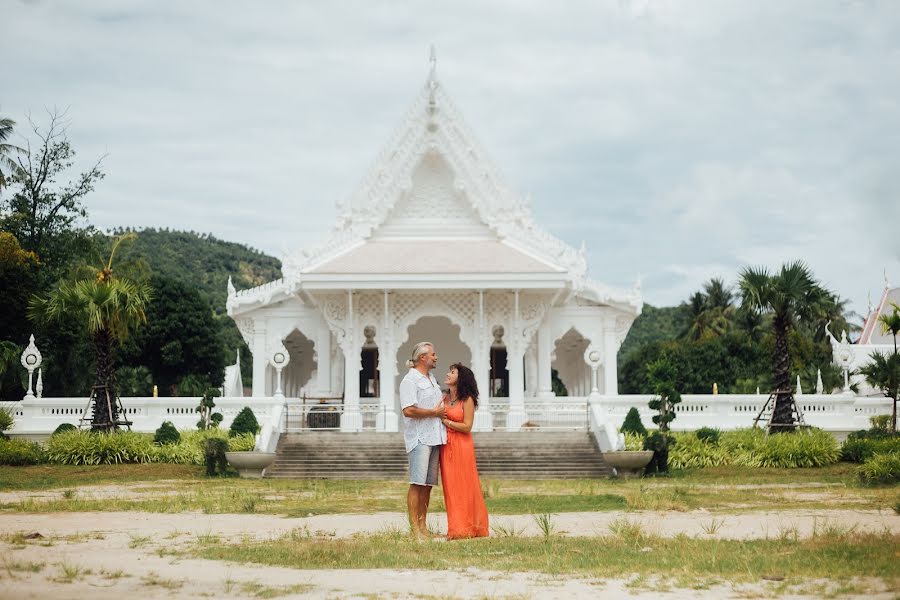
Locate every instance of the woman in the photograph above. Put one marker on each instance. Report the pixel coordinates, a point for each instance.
(466, 513)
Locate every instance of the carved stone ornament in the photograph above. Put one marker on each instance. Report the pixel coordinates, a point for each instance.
(280, 357)
(31, 357)
(593, 356)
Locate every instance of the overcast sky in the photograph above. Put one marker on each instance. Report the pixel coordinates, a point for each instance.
(680, 140)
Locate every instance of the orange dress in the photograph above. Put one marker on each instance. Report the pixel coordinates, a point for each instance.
(466, 512)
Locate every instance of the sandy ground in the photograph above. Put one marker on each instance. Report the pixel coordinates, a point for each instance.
(129, 543)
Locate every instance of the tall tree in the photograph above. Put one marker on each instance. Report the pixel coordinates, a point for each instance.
(111, 306)
(712, 311)
(882, 372)
(891, 322)
(44, 215)
(791, 296)
(7, 150)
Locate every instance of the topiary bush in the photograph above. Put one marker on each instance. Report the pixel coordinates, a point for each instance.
(21, 452)
(214, 456)
(633, 424)
(881, 469)
(166, 434)
(83, 447)
(64, 427)
(860, 449)
(661, 444)
(244, 422)
(708, 435)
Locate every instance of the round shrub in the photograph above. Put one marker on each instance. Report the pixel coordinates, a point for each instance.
(244, 422)
(881, 469)
(63, 427)
(166, 434)
(21, 452)
(708, 435)
(632, 423)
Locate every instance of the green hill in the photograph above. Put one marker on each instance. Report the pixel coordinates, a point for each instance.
(655, 324)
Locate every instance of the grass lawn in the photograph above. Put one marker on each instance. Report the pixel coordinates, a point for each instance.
(178, 488)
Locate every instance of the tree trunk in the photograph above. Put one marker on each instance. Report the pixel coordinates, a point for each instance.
(106, 407)
(782, 414)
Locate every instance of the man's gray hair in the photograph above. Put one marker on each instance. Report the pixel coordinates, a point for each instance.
(418, 350)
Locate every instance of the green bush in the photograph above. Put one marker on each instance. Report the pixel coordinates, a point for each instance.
(692, 452)
(881, 424)
(661, 444)
(881, 469)
(633, 424)
(64, 427)
(6, 419)
(88, 448)
(708, 435)
(21, 452)
(244, 422)
(166, 434)
(634, 441)
(860, 449)
(214, 456)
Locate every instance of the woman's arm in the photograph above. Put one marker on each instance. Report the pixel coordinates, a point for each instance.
(468, 417)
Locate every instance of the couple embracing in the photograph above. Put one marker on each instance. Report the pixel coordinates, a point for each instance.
(437, 434)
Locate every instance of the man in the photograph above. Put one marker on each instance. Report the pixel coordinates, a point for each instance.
(423, 432)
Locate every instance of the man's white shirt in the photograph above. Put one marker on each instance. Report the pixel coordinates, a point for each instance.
(421, 391)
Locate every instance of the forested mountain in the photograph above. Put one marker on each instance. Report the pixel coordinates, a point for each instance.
(655, 325)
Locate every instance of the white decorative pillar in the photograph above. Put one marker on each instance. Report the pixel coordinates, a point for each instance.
(481, 365)
(515, 352)
(323, 364)
(259, 361)
(610, 366)
(593, 358)
(387, 419)
(544, 359)
(351, 419)
(279, 359)
(531, 371)
(31, 360)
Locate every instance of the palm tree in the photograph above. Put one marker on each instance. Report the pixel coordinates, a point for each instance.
(883, 373)
(111, 306)
(711, 311)
(891, 322)
(6, 150)
(791, 296)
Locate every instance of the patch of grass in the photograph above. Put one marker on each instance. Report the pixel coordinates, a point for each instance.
(139, 541)
(153, 579)
(69, 573)
(834, 557)
(116, 574)
(14, 566)
(544, 521)
(39, 477)
(259, 590)
(712, 526)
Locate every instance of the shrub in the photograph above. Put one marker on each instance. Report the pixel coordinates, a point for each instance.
(803, 448)
(661, 444)
(634, 441)
(881, 469)
(881, 424)
(692, 452)
(64, 427)
(6, 419)
(859, 449)
(708, 435)
(21, 452)
(89, 448)
(244, 422)
(166, 434)
(632, 423)
(214, 456)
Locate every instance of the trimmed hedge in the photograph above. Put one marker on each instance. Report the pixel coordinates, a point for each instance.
(633, 424)
(21, 452)
(753, 448)
(244, 422)
(166, 434)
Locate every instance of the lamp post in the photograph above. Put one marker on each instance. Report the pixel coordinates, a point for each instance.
(31, 360)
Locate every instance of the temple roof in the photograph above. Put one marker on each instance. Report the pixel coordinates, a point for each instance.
(871, 332)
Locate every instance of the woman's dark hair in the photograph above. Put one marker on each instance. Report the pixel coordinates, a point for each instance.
(466, 386)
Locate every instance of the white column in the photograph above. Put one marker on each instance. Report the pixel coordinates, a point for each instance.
(544, 352)
(610, 367)
(515, 351)
(351, 420)
(531, 371)
(387, 419)
(481, 365)
(323, 364)
(259, 361)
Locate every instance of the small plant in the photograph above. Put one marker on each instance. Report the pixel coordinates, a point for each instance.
(248, 504)
(207, 417)
(881, 469)
(244, 422)
(708, 435)
(64, 427)
(633, 424)
(713, 526)
(544, 522)
(881, 424)
(6, 419)
(214, 450)
(166, 434)
(627, 530)
(509, 531)
(68, 494)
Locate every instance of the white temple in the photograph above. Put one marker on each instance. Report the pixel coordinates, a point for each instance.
(434, 246)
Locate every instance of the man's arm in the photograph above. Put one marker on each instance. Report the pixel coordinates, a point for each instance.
(408, 401)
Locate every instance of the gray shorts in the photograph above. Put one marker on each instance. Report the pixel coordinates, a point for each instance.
(424, 463)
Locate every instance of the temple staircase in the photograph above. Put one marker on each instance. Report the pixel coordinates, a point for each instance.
(521, 455)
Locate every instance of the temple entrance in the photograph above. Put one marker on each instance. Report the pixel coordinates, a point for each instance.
(368, 374)
(499, 377)
(569, 363)
(298, 376)
(441, 332)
